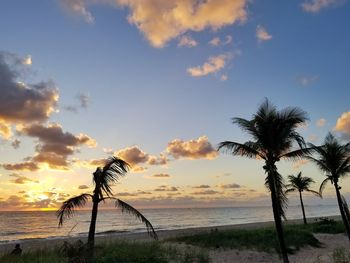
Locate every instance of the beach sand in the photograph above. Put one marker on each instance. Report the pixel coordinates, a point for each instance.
(306, 254)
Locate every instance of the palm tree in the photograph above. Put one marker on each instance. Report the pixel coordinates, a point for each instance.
(333, 158)
(300, 184)
(103, 178)
(273, 135)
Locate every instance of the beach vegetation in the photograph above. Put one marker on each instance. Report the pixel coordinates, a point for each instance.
(273, 135)
(116, 252)
(264, 239)
(103, 179)
(300, 184)
(333, 159)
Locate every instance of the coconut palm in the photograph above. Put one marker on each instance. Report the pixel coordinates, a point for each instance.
(103, 178)
(333, 158)
(300, 184)
(273, 134)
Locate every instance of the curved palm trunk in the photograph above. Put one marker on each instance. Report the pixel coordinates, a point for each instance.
(91, 236)
(302, 207)
(340, 204)
(277, 217)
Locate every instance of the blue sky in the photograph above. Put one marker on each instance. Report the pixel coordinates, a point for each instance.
(140, 94)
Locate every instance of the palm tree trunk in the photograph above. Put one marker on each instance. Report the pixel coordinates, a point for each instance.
(91, 236)
(343, 216)
(277, 217)
(302, 207)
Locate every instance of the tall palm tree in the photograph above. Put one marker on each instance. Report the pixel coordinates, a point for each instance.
(300, 184)
(273, 134)
(103, 179)
(333, 158)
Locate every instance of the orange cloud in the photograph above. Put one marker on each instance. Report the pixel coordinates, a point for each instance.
(213, 65)
(192, 149)
(163, 20)
(187, 41)
(262, 34)
(321, 122)
(315, 6)
(343, 125)
(161, 175)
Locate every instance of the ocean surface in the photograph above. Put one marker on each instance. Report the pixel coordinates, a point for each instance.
(38, 224)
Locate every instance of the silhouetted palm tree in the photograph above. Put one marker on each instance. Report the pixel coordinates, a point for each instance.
(333, 158)
(300, 184)
(273, 135)
(103, 179)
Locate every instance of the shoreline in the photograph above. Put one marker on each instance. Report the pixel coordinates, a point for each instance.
(32, 244)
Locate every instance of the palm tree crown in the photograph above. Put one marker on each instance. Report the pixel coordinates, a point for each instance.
(300, 183)
(273, 134)
(103, 179)
(333, 159)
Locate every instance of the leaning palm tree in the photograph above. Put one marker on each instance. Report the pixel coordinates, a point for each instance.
(300, 184)
(333, 158)
(103, 179)
(273, 135)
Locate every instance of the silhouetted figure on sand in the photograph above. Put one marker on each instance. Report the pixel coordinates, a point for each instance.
(17, 250)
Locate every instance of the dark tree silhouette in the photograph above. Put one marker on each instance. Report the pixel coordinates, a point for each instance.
(333, 158)
(103, 179)
(273, 134)
(300, 184)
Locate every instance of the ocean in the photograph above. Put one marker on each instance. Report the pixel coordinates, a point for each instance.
(21, 225)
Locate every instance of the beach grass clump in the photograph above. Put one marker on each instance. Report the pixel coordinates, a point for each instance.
(322, 225)
(264, 239)
(115, 252)
(38, 256)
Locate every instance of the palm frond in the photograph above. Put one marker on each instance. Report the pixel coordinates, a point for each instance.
(290, 190)
(114, 168)
(248, 149)
(296, 154)
(314, 192)
(131, 210)
(68, 207)
(323, 185)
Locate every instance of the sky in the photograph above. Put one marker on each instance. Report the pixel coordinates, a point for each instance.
(156, 83)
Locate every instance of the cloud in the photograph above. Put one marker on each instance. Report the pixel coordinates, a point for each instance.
(79, 7)
(161, 21)
(165, 188)
(213, 65)
(27, 60)
(54, 145)
(187, 41)
(83, 187)
(298, 164)
(135, 156)
(161, 175)
(307, 80)
(343, 125)
(230, 186)
(21, 102)
(200, 148)
(19, 179)
(321, 122)
(202, 186)
(216, 41)
(83, 100)
(315, 6)
(262, 34)
(15, 143)
(224, 77)
(25, 166)
(206, 192)
(5, 130)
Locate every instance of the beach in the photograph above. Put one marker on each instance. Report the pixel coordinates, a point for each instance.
(329, 242)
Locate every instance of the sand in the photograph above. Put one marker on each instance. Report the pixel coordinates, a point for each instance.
(306, 254)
